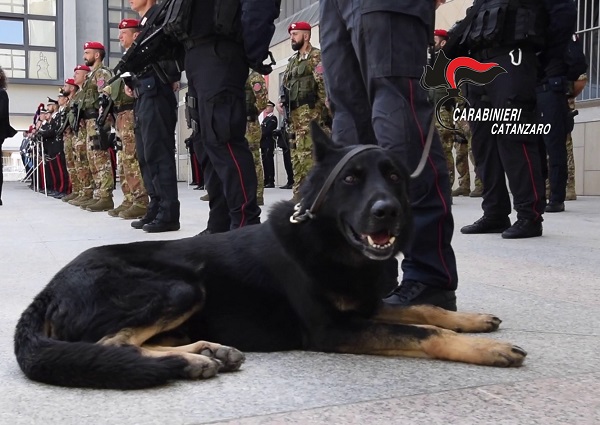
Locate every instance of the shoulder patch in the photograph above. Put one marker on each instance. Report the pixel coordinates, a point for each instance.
(319, 68)
(100, 82)
(257, 87)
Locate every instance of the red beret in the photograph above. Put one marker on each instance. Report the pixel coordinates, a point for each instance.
(129, 23)
(441, 33)
(93, 45)
(302, 26)
(82, 68)
(70, 81)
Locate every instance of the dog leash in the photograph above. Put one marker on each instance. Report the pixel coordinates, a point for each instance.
(299, 216)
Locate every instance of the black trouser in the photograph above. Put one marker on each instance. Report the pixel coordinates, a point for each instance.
(373, 58)
(267, 153)
(516, 157)
(287, 164)
(1, 171)
(217, 73)
(155, 119)
(553, 109)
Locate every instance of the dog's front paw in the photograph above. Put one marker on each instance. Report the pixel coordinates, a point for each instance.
(231, 359)
(504, 354)
(475, 322)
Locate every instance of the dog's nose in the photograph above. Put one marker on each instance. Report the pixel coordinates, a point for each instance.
(385, 209)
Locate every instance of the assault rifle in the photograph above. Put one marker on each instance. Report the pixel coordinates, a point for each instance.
(77, 114)
(102, 140)
(287, 117)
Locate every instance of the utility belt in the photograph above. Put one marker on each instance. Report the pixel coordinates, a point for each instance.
(493, 52)
(89, 114)
(123, 108)
(295, 104)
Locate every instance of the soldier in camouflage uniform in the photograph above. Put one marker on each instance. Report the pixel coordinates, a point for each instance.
(303, 82)
(69, 89)
(135, 197)
(82, 165)
(576, 88)
(99, 156)
(257, 97)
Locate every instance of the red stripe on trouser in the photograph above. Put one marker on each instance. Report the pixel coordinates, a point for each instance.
(61, 173)
(237, 166)
(535, 192)
(437, 185)
(53, 175)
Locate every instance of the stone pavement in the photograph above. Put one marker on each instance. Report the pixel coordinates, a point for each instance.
(547, 291)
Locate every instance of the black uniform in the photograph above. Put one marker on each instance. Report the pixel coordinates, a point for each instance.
(155, 113)
(267, 148)
(56, 175)
(216, 66)
(373, 56)
(531, 30)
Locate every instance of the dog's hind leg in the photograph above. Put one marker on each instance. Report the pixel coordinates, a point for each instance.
(435, 316)
(230, 358)
(198, 367)
(138, 336)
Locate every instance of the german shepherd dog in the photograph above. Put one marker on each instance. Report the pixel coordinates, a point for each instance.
(140, 314)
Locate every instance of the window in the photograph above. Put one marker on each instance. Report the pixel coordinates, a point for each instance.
(117, 11)
(588, 27)
(28, 39)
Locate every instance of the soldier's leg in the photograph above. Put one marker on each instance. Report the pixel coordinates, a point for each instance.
(102, 172)
(131, 179)
(218, 74)
(71, 168)
(571, 194)
(82, 165)
(462, 169)
(447, 139)
(253, 133)
(302, 161)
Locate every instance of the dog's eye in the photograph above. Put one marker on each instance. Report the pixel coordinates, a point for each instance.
(394, 177)
(350, 179)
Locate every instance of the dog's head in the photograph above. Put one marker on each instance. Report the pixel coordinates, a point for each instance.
(368, 199)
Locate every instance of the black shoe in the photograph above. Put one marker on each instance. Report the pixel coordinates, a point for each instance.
(287, 186)
(139, 224)
(487, 225)
(193, 184)
(0, 201)
(158, 226)
(555, 207)
(411, 292)
(199, 188)
(60, 195)
(269, 185)
(523, 228)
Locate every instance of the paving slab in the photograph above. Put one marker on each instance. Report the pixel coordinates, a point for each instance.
(546, 290)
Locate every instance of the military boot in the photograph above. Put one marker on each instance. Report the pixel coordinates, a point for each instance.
(70, 197)
(477, 192)
(461, 191)
(79, 200)
(205, 198)
(103, 204)
(135, 211)
(84, 204)
(116, 211)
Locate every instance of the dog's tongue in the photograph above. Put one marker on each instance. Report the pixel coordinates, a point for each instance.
(380, 238)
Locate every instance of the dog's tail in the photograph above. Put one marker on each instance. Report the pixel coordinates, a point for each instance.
(82, 364)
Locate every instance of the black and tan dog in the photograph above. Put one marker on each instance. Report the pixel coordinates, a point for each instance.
(114, 316)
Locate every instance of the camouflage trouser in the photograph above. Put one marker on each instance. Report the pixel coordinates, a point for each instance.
(82, 164)
(100, 164)
(69, 139)
(130, 174)
(302, 160)
(253, 133)
(447, 139)
(571, 194)
(464, 177)
(462, 165)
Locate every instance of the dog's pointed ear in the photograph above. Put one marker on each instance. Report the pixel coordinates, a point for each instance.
(321, 141)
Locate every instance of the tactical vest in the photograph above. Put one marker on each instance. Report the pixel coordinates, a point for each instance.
(301, 83)
(505, 23)
(90, 92)
(251, 110)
